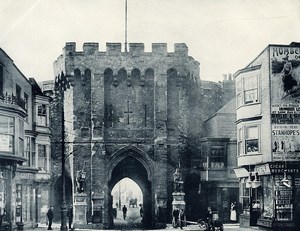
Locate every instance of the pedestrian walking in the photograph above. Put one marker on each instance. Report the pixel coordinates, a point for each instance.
(124, 212)
(70, 216)
(50, 216)
(209, 218)
(2, 214)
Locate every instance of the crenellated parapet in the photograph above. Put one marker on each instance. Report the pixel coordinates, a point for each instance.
(91, 48)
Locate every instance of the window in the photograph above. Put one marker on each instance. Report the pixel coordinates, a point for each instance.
(29, 152)
(26, 101)
(250, 89)
(247, 88)
(244, 195)
(42, 115)
(239, 99)
(18, 91)
(42, 157)
(251, 139)
(7, 125)
(240, 142)
(217, 157)
(1, 80)
(33, 155)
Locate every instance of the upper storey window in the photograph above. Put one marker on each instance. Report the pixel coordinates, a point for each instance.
(42, 115)
(249, 139)
(247, 88)
(7, 125)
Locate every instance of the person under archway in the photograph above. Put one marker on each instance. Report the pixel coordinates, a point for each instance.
(124, 211)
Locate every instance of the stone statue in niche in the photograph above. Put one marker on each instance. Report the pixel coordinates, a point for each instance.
(80, 181)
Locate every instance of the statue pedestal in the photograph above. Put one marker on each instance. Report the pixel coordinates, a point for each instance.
(98, 205)
(80, 207)
(178, 200)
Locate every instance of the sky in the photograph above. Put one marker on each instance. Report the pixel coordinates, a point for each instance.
(223, 35)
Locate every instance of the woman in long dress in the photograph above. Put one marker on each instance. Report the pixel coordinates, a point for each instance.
(233, 212)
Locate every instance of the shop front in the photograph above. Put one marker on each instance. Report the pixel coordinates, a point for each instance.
(270, 196)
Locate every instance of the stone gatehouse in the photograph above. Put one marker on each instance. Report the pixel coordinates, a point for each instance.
(130, 114)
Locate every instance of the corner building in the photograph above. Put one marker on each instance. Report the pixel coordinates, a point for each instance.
(24, 148)
(127, 114)
(268, 105)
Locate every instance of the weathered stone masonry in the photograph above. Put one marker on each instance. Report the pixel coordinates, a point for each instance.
(129, 106)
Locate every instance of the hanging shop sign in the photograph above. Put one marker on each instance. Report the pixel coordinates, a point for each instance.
(263, 169)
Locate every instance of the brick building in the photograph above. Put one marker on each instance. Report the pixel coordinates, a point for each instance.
(267, 93)
(25, 147)
(131, 114)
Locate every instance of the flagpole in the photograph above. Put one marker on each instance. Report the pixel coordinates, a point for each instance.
(126, 26)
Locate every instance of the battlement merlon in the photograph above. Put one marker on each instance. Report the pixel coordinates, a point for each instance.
(91, 48)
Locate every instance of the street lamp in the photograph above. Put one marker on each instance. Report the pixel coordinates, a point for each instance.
(61, 85)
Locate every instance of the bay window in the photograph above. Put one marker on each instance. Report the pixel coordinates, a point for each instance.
(251, 139)
(247, 88)
(7, 131)
(42, 157)
(248, 139)
(42, 115)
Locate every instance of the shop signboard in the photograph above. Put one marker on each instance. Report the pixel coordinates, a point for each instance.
(285, 102)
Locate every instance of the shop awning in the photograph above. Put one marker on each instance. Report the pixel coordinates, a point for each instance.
(241, 172)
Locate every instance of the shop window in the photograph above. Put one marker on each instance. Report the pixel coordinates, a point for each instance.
(18, 203)
(7, 125)
(283, 199)
(245, 196)
(3, 188)
(251, 139)
(42, 115)
(42, 157)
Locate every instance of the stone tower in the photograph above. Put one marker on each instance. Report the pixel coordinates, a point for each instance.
(127, 114)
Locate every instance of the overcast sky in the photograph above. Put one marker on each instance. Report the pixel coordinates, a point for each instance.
(223, 35)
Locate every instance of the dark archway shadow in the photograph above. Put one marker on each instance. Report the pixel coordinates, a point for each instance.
(132, 168)
(58, 196)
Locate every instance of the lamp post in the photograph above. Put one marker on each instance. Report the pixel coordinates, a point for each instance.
(61, 84)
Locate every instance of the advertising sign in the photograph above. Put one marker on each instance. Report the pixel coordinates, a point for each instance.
(285, 102)
(286, 142)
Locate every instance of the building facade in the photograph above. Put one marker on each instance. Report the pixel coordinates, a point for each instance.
(25, 148)
(267, 98)
(219, 187)
(130, 114)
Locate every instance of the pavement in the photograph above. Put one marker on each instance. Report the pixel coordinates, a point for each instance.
(227, 227)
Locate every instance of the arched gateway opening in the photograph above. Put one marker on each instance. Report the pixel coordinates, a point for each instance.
(131, 165)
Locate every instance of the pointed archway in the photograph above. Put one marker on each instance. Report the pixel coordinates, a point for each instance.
(133, 164)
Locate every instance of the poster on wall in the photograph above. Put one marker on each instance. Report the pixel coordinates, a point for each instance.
(285, 75)
(285, 102)
(286, 142)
